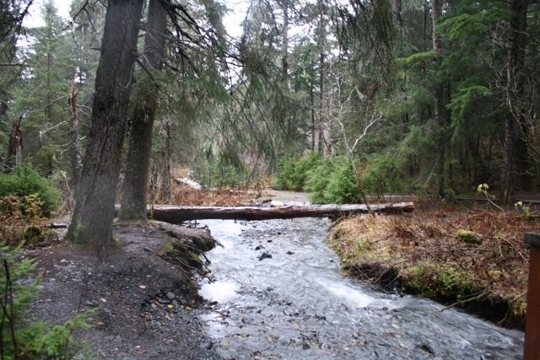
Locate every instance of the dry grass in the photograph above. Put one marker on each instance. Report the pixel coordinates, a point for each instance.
(185, 195)
(429, 258)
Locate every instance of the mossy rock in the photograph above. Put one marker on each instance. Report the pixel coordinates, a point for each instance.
(440, 282)
(469, 237)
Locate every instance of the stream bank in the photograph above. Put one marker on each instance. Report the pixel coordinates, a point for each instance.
(471, 258)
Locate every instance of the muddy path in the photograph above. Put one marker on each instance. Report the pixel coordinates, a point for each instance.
(145, 307)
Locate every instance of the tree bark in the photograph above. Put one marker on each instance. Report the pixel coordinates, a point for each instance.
(74, 146)
(285, 47)
(440, 114)
(15, 146)
(93, 216)
(166, 158)
(135, 186)
(516, 162)
(179, 214)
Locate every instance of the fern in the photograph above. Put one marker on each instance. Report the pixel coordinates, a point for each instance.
(22, 336)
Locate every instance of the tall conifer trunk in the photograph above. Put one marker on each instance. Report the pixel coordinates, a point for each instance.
(135, 186)
(516, 158)
(93, 216)
(321, 43)
(440, 114)
(74, 146)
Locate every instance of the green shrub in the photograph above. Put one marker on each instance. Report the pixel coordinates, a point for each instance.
(293, 172)
(342, 187)
(332, 181)
(23, 181)
(22, 336)
(318, 178)
(284, 174)
(220, 171)
(380, 174)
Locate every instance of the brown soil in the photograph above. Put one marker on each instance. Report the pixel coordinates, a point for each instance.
(146, 305)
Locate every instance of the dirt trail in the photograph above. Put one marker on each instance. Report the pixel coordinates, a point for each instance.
(147, 307)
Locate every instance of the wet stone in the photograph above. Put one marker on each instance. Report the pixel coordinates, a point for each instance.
(265, 255)
(91, 303)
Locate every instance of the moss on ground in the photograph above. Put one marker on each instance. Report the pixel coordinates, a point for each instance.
(424, 254)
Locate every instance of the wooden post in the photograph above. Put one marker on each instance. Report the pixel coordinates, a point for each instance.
(532, 320)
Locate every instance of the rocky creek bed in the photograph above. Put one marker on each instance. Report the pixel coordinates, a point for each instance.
(280, 295)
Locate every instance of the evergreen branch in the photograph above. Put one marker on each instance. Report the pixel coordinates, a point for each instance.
(17, 24)
(3, 319)
(11, 64)
(178, 10)
(147, 71)
(83, 8)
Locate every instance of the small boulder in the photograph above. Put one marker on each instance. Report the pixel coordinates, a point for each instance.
(265, 255)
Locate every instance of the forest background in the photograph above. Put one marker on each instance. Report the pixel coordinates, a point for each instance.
(339, 98)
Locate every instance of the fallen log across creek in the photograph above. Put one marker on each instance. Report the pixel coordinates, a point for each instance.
(179, 214)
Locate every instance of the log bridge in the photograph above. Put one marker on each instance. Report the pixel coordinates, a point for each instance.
(179, 214)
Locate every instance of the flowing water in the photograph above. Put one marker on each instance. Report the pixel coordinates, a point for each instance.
(278, 294)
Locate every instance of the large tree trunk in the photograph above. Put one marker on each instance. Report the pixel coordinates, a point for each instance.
(74, 146)
(321, 44)
(93, 216)
(166, 160)
(15, 146)
(516, 157)
(135, 187)
(440, 114)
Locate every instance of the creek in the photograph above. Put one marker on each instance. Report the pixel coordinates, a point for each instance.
(277, 293)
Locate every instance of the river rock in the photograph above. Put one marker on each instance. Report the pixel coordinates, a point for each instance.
(264, 255)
